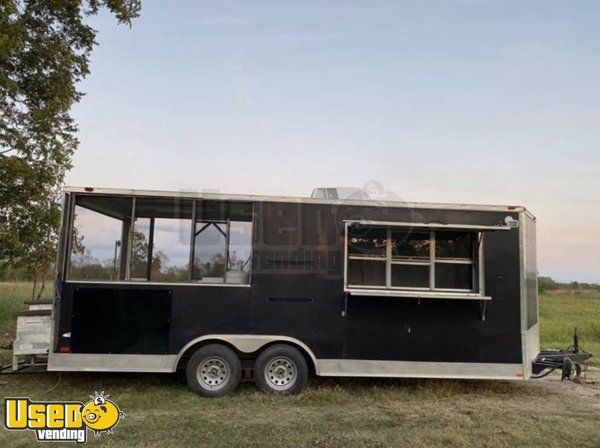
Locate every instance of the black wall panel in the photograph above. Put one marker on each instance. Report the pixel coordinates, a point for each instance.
(124, 321)
(297, 290)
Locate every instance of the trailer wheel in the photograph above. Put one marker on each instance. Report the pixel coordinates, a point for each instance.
(213, 371)
(281, 369)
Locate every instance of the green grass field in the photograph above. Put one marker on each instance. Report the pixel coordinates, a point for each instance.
(562, 311)
(160, 410)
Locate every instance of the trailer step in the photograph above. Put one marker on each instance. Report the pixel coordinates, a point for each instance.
(38, 302)
(33, 337)
(33, 305)
(35, 313)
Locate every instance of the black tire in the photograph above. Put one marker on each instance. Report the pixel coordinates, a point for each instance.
(281, 369)
(213, 371)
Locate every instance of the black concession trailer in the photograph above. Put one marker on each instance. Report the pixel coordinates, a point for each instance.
(276, 288)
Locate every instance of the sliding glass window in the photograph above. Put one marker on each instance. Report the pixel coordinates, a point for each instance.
(367, 259)
(394, 258)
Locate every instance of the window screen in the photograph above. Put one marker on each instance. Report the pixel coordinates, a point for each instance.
(367, 241)
(410, 245)
(366, 272)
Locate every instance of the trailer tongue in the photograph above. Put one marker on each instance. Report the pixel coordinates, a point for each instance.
(569, 361)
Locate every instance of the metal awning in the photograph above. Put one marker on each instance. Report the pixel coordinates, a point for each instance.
(416, 294)
(508, 225)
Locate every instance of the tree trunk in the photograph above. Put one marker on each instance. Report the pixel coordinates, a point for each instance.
(39, 296)
(34, 285)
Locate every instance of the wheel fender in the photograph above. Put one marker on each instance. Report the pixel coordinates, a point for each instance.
(246, 344)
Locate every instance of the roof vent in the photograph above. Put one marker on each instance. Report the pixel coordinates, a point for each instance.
(372, 190)
(339, 193)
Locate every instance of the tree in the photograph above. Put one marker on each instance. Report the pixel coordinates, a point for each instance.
(139, 258)
(547, 284)
(45, 46)
(139, 254)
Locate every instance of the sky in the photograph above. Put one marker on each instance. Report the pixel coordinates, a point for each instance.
(465, 101)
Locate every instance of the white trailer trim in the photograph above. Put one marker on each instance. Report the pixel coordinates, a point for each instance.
(292, 199)
(530, 337)
(323, 367)
(87, 362)
(417, 369)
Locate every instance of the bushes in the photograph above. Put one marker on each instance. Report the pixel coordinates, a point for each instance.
(547, 284)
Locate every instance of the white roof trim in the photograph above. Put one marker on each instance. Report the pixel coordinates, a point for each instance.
(303, 200)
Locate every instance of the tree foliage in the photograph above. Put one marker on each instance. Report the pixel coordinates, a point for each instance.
(547, 284)
(45, 48)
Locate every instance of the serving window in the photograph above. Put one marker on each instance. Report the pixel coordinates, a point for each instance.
(389, 258)
(160, 240)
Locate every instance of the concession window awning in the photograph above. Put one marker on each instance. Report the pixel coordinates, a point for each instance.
(416, 294)
(508, 224)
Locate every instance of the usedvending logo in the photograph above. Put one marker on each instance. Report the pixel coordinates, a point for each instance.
(62, 421)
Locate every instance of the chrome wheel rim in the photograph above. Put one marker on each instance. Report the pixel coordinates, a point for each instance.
(213, 373)
(281, 373)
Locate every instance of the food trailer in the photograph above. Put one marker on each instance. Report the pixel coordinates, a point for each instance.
(274, 289)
